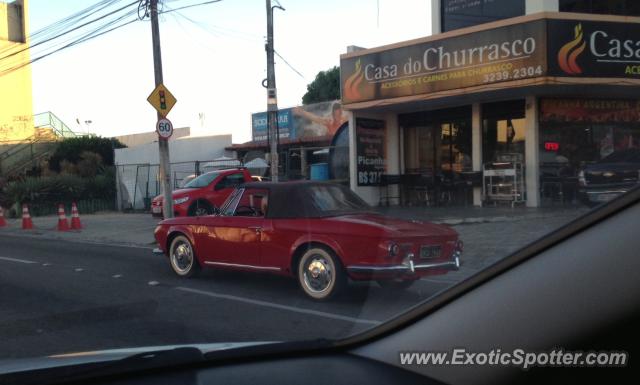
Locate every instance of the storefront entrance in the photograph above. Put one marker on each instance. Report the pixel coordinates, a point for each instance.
(437, 157)
(503, 152)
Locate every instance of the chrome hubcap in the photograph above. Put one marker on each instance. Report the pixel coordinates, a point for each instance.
(318, 274)
(182, 257)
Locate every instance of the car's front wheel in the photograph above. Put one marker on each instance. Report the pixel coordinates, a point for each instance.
(320, 274)
(183, 259)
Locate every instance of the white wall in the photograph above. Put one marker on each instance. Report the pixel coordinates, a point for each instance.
(535, 6)
(181, 150)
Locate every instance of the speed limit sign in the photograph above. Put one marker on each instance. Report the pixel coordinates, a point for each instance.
(164, 128)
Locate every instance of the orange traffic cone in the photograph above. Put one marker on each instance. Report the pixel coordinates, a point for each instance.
(63, 224)
(27, 224)
(75, 217)
(3, 223)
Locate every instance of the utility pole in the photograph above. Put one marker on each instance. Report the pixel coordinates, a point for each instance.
(163, 145)
(272, 95)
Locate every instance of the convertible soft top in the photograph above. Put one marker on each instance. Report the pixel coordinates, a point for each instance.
(294, 199)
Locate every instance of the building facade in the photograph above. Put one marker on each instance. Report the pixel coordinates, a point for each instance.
(16, 111)
(506, 101)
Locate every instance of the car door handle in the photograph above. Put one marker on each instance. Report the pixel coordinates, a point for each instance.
(256, 228)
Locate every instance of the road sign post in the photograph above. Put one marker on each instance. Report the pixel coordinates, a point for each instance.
(160, 97)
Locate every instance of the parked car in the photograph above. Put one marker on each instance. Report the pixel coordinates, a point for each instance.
(186, 180)
(320, 233)
(204, 194)
(613, 175)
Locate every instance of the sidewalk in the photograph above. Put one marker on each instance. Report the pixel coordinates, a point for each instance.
(108, 228)
(454, 216)
(137, 229)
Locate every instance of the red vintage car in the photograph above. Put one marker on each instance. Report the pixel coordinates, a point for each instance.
(320, 233)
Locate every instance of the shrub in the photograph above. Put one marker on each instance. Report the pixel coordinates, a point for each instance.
(90, 164)
(71, 150)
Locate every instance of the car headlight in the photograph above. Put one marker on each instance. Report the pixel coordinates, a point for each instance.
(180, 200)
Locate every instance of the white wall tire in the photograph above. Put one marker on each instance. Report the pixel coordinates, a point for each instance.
(320, 274)
(182, 257)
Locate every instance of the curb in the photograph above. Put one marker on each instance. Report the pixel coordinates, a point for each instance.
(48, 236)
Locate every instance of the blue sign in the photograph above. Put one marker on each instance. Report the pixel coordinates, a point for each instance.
(259, 125)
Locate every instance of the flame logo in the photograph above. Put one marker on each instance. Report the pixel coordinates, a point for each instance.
(352, 85)
(569, 53)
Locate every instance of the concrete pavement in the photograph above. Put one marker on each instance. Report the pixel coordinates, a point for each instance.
(137, 229)
(65, 296)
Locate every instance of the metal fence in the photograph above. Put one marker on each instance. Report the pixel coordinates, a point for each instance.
(138, 184)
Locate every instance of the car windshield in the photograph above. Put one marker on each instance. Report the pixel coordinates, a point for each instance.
(203, 180)
(351, 160)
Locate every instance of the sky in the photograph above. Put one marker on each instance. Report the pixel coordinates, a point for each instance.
(214, 60)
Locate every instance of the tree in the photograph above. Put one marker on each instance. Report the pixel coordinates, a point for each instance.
(325, 87)
(72, 149)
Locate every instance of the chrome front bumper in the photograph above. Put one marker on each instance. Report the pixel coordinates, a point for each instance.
(408, 266)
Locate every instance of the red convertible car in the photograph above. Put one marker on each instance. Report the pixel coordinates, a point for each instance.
(320, 233)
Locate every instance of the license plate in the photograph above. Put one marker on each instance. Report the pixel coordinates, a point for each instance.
(430, 252)
(156, 210)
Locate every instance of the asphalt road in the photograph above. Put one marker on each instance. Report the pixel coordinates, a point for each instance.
(60, 297)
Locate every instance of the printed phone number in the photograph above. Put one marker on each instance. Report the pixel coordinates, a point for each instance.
(514, 74)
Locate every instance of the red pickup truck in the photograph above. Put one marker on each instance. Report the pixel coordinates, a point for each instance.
(204, 194)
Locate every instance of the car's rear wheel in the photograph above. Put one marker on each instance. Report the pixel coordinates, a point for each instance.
(200, 209)
(183, 259)
(396, 284)
(320, 273)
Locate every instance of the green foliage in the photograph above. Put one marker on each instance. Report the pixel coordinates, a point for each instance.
(90, 164)
(72, 150)
(60, 188)
(325, 87)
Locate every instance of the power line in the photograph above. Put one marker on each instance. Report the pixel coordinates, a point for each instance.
(289, 65)
(190, 6)
(86, 37)
(69, 31)
(99, 31)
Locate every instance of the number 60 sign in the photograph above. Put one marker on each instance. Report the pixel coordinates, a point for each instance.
(164, 127)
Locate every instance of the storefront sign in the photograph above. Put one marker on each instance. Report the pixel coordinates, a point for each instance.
(589, 110)
(508, 53)
(304, 122)
(594, 49)
(370, 151)
(457, 14)
(260, 124)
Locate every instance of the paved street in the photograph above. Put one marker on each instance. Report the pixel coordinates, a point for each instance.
(58, 296)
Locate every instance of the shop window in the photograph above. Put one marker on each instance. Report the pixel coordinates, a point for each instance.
(585, 131)
(437, 150)
(503, 131)
(576, 132)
